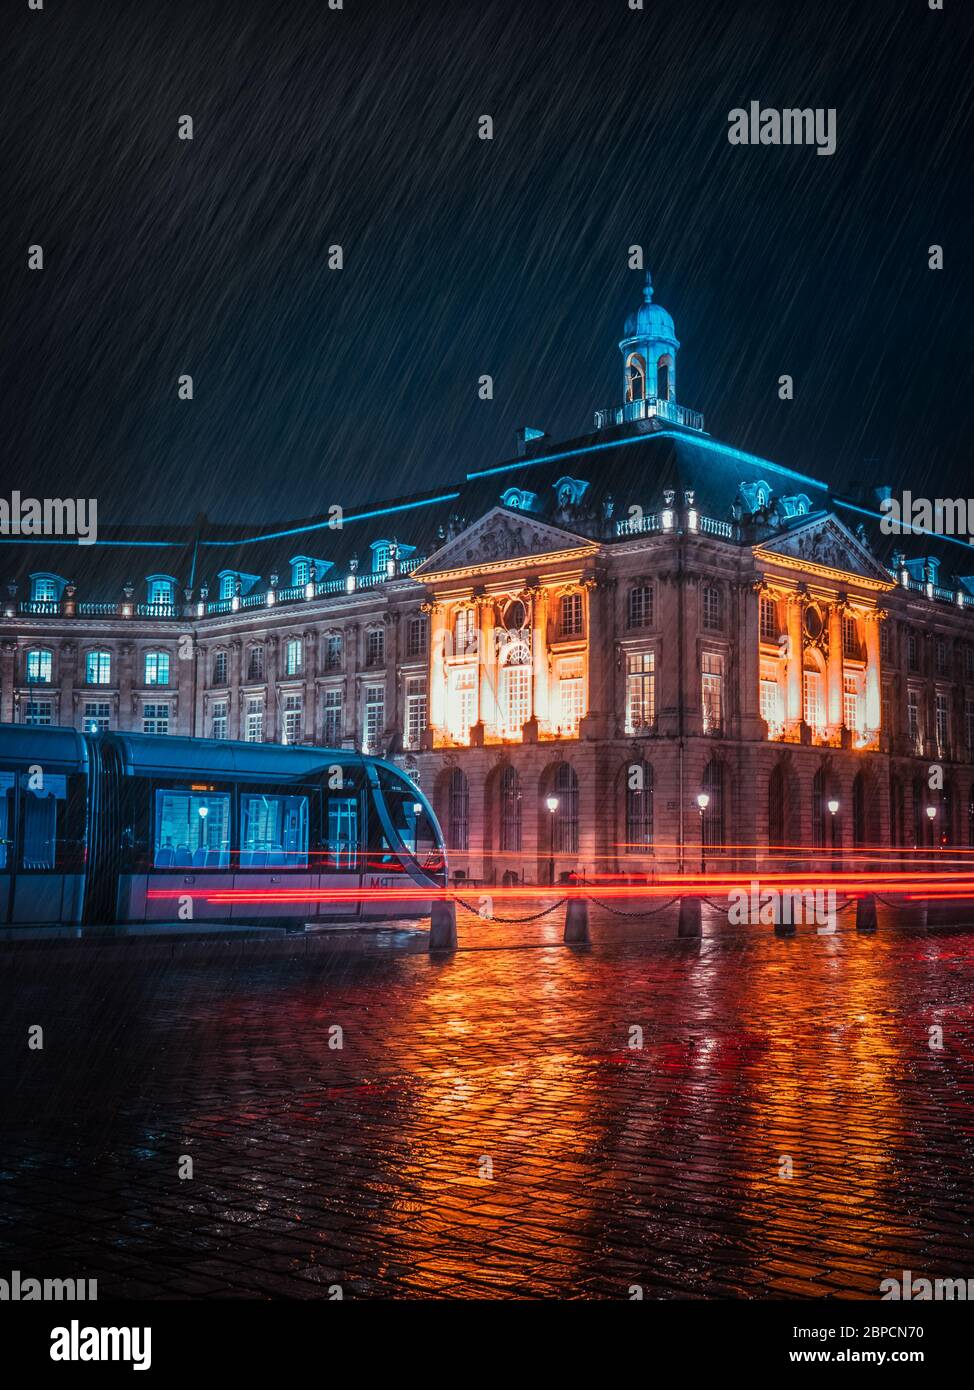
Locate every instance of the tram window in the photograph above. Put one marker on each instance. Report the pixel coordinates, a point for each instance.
(410, 822)
(6, 814)
(43, 805)
(192, 830)
(341, 849)
(274, 832)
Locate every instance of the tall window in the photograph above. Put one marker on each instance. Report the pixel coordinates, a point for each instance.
(969, 724)
(663, 376)
(914, 724)
(769, 620)
(940, 656)
(97, 716)
(776, 807)
(463, 703)
(464, 629)
(640, 692)
(333, 652)
(886, 708)
(639, 606)
(770, 700)
(813, 697)
(157, 668)
(885, 641)
(375, 716)
(510, 811)
(415, 710)
(40, 667)
(571, 615)
(639, 808)
(712, 685)
(220, 668)
(155, 718)
(850, 637)
(943, 723)
(255, 664)
(515, 690)
(332, 730)
(912, 652)
(218, 719)
(375, 646)
(571, 695)
(820, 810)
(713, 816)
(255, 720)
(417, 636)
(293, 718)
(565, 818)
(712, 616)
(98, 668)
(292, 656)
(459, 811)
(858, 810)
(851, 703)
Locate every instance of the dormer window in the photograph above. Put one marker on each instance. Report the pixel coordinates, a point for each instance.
(300, 573)
(570, 491)
(380, 557)
(46, 588)
(161, 589)
(519, 499)
(227, 585)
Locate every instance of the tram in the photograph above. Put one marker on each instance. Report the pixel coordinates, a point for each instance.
(113, 828)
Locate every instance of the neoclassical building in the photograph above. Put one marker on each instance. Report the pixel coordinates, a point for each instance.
(571, 649)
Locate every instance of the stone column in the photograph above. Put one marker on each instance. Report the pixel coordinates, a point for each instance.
(833, 667)
(271, 713)
(489, 674)
(8, 671)
(310, 713)
(236, 714)
(394, 715)
(350, 702)
(873, 716)
(439, 636)
(793, 689)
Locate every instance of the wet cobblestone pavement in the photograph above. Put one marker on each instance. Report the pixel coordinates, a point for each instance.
(612, 1165)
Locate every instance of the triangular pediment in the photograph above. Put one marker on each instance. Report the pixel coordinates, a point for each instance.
(824, 543)
(500, 536)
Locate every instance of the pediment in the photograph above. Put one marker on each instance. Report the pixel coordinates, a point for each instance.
(824, 543)
(498, 537)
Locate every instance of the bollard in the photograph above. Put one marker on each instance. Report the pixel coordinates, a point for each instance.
(866, 913)
(690, 916)
(576, 921)
(443, 926)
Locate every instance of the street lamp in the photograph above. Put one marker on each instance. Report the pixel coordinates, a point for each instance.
(703, 801)
(833, 806)
(932, 816)
(204, 811)
(552, 804)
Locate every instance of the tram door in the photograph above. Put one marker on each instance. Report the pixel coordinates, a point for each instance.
(40, 872)
(273, 877)
(340, 857)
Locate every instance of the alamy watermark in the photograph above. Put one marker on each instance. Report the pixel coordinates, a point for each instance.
(909, 1289)
(782, 907)
(766, 125)
(18, 1289)
(942, 516)
(50, 516)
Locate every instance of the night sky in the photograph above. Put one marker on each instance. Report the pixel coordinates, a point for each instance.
(464, 256)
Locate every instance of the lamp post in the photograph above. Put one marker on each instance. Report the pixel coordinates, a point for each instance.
(552, 804)
(703, 801)
(203, 811)
(833, 806)
(932, 816)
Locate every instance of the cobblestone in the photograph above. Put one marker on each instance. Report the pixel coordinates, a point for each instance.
(487, 1130)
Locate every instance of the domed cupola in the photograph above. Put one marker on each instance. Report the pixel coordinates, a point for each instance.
(649, 350)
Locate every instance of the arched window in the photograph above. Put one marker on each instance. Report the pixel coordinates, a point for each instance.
(664, 376)
(859, 835)
(565, 787)
(895, 811)
(776, 807)
(510, 811)
(819, 809)
(459, 811)
(639, 808)
(918, 813)
(635, 378)
(713, 816)
(515, 689)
